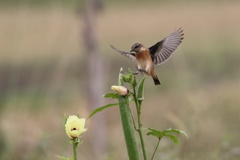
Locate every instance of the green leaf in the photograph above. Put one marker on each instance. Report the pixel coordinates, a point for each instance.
(111, 95)
(172, 137)
(165, 133)
(102, 108)
(156, 133)
(140, 94)
(177, 131)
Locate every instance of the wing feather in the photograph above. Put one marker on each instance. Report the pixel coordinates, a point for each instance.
(127, 54)
(162, 51)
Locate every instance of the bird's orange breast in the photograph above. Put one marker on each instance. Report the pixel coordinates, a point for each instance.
(144, 61)
(144, 55)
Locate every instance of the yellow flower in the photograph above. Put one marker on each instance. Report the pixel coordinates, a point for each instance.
(75, 126)
(121, 90)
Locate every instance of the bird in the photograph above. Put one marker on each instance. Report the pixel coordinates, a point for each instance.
(147, 58)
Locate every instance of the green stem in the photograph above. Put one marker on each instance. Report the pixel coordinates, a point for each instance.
(140, 133)
(135, 99)
(139, 108)
(128, 127)
(134, 124)
(156, 149)
(75, 148)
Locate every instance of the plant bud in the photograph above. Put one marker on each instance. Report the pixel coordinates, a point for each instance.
(121, 90)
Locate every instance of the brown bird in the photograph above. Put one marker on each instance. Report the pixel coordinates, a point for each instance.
(146, 58)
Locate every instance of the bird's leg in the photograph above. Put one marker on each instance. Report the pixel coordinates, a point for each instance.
(144, 71)
(141, 71)
(138, 70)
(136, 73)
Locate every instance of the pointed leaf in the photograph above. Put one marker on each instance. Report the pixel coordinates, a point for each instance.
(140, 93)
(156, 133)
(111, 95)
(101, 108)
(172, 137)
(177, 131)
(165, 133)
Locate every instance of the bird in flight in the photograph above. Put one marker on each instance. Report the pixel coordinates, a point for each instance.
(147, 58)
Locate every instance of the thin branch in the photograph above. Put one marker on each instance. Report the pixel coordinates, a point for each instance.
(156, 148)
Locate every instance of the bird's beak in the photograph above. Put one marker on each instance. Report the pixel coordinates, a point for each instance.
(131, 50)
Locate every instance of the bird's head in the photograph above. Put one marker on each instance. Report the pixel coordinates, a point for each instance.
(137, 47)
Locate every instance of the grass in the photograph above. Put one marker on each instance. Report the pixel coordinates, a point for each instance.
(43, 76)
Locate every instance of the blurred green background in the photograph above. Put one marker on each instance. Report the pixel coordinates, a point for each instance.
(43, 75)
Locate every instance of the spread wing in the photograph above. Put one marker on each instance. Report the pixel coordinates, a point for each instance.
(127, 54)
(161, 51)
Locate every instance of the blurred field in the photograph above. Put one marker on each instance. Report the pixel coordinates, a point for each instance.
(42, 76)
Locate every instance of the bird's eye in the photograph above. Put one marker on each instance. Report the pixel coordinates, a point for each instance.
(136, 46)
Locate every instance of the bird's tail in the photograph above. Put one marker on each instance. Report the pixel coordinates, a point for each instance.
(155, 79)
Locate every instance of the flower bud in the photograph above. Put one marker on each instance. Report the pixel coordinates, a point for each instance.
(121, 90)
(75, 126)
